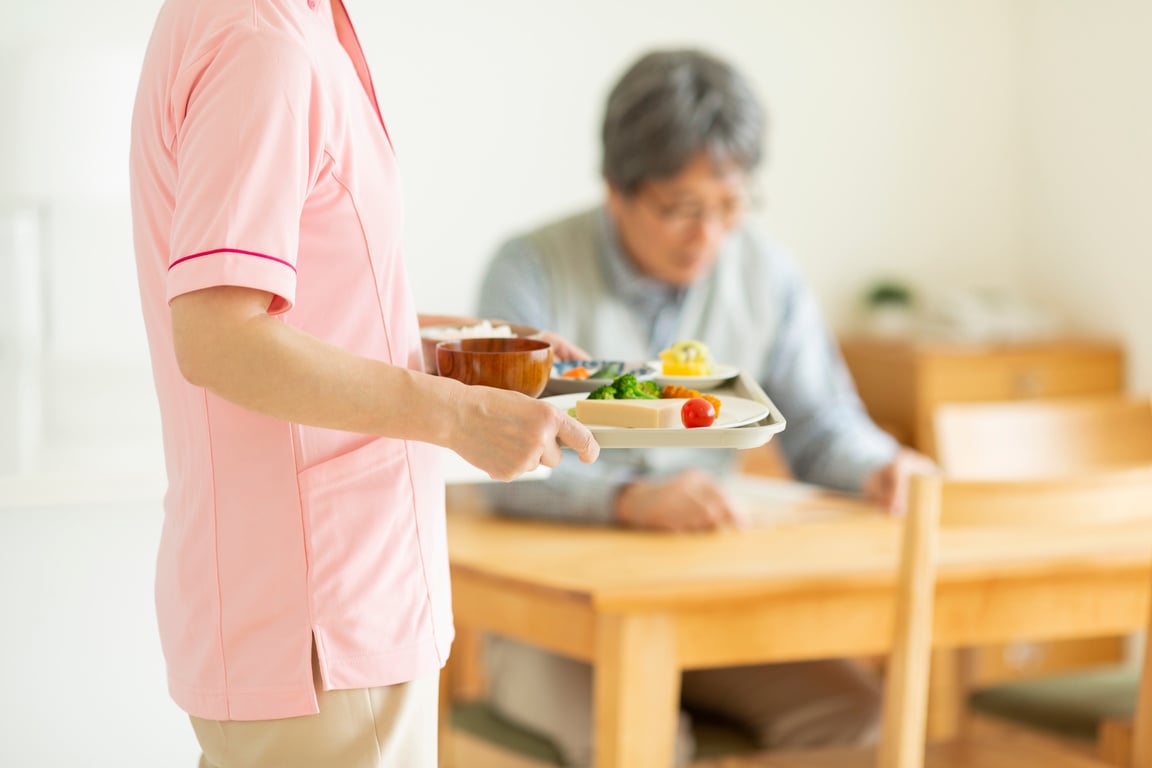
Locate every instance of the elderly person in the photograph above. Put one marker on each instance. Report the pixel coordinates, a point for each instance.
(671, 256)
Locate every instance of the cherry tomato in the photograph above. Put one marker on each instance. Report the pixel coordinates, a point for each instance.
(697, 412)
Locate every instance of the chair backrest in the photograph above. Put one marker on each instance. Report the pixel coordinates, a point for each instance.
(906, 680)
(1087, 499)
(1043, 438)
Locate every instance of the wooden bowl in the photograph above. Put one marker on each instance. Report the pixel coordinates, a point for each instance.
(434, 334)
(522, 365)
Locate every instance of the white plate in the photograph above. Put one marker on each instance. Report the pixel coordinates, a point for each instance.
(720, 374)
(558, 385)
(734, 412)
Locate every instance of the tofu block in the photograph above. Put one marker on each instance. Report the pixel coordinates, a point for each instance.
(644, 414)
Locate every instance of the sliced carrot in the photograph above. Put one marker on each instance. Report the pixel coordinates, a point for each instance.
(677, 391)
(579, 372)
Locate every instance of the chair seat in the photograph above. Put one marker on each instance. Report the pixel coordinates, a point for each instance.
(1011, 752)
(478, 718)
(1070, 704)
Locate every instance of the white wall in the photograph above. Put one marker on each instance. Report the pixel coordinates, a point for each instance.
(1088, 172)
(79, 655)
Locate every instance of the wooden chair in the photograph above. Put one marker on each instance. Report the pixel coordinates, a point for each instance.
(1054, 438)
(1086, 500)
(1042, 438)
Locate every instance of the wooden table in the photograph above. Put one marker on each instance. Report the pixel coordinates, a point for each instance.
(811, 578)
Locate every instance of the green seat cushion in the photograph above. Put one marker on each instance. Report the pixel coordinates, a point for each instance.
(1072, 705)
(714, 737)
(481, 720)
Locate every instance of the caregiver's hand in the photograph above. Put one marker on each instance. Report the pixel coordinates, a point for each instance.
(507, 434)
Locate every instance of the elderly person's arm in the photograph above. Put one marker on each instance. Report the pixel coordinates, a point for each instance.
(830, 439)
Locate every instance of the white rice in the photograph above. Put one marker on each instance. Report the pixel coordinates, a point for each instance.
(482, 330)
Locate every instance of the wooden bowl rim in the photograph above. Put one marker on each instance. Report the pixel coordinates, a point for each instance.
(529, 345)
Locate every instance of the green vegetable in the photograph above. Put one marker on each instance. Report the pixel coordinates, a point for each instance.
(607, 372)
(651, 388)
(628, 388)
(606, 392)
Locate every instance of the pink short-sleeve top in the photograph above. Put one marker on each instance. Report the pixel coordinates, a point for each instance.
(259, 158)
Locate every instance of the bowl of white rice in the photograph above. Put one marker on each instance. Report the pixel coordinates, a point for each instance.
(482, 329)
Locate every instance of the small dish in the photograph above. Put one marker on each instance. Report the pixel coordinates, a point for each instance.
(720, 374)
(561, 385)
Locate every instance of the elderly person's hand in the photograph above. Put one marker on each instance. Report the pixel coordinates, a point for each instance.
(889, 484)
(689, 501)
(562, 349)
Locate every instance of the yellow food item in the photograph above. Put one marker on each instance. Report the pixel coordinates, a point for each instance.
(650, 414)
(687, 358)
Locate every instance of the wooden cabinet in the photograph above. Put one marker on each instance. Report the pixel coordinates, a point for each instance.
(902, 382)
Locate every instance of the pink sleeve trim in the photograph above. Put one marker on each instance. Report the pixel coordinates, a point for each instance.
(182, 259)
(232, 266)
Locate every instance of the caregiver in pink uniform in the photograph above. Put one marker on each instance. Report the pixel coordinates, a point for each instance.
(302, 581)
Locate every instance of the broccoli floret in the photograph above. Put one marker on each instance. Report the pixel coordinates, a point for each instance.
(651, 388)
(628, 388)
(606, 392)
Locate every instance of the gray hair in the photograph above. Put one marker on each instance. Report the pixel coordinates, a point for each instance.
(670, 105)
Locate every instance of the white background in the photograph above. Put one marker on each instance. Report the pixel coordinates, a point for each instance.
(986, 143)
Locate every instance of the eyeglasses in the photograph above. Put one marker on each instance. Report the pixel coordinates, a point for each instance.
(683, 216)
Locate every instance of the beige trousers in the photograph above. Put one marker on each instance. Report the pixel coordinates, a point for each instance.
(387, 727)
(793, 705)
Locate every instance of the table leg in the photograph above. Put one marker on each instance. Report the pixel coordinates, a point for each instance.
(636, 691)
